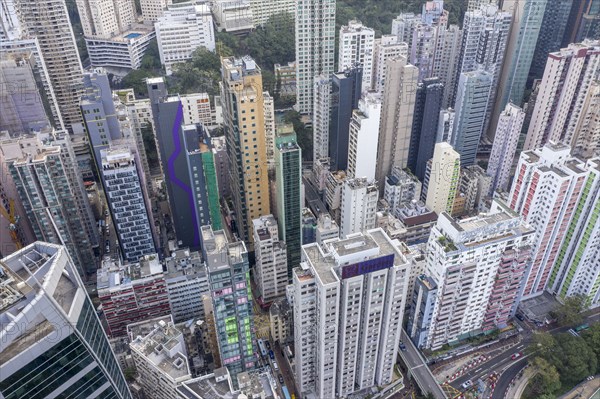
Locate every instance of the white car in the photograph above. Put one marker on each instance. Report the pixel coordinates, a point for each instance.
(467, 384)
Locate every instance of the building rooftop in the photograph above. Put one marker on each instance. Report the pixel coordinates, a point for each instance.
(113, 274)
(25, 276)
(164, 348)
(237, 68)
(255, 384)
(328, 259)
(211, 386)
(265, 227)
(182, 262)
(136, 31)
(499, 224)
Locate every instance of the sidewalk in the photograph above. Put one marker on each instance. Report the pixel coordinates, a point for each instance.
(584, 390)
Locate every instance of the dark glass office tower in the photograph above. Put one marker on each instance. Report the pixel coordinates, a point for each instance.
(428, 104)
(345, 93)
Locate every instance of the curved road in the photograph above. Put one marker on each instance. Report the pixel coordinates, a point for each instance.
(507, 376)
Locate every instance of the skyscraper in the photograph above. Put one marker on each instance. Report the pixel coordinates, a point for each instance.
(124, 193)
(229, 278)
(505, 146)
(426, 47)
(315, 47)
(472, 98)
(546, 192)
(386, 47)
(399, 94)
(576, 270)
(559, 103)
(356, 48)
(44, 297)
(552, 32)
(484, 40)
(527, 16)
(28, 54)
(345, 93)
(243, 114)
(49, 187)
(288, 176)
(423, 298)
(586, 142)
(364, 131)
(428, 104)
(182, 162)
(444, 64)
(584, 22)
(403, 26)
(321, 117)
(443, 178)
(21, 102)
(349, 298)
(49, 22)
(358, 206)
(271, 271)
(589, 27)
(477, 265)
(99, 114)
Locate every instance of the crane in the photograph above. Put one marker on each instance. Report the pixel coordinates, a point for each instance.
(13, 220)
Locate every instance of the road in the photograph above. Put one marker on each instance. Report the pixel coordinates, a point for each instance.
(508, 375)
(418, 369)
(497, 363)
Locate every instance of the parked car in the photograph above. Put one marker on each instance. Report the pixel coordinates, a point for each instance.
(267, 344)
(271, 355)
(280, 379)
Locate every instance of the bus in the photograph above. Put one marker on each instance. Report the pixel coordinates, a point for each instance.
(582, 327)
(261, 346)
(286, 394)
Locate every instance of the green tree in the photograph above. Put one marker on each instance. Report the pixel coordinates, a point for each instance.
(136, 79)
(574, 359)
(206, 60)
(547, 379)
(569, 312)
(543, 344)
(592, 338)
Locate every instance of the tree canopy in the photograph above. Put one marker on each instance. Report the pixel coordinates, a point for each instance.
(569, 312)
(563, 360)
